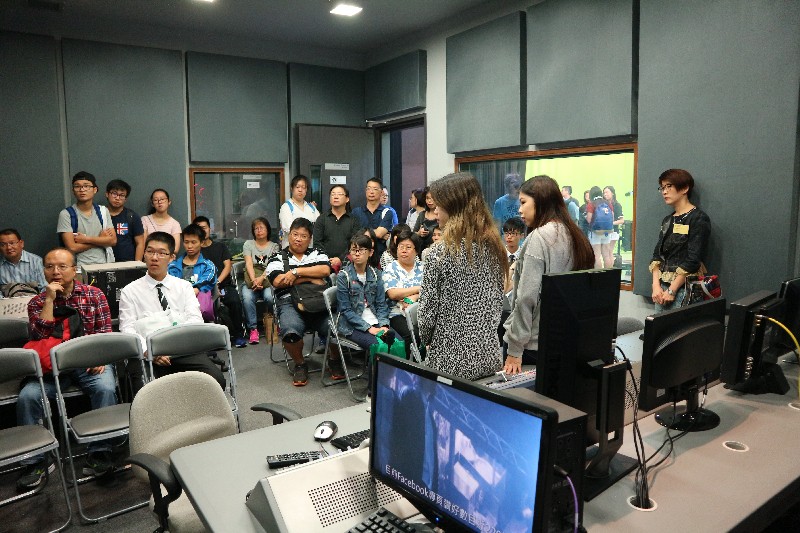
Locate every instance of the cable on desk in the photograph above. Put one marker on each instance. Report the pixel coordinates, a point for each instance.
(563, 473)
(796, 346)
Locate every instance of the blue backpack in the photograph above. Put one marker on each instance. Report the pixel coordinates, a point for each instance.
(603, 219)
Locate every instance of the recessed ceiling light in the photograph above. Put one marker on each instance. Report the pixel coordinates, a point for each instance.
(348, 10)
(206, 1)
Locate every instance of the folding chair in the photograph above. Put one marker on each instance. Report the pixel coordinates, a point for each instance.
(190, 339)
(411, 321)
(286, 359)
(21, 442)
(98, 424)
(13, 332)
(340, 342)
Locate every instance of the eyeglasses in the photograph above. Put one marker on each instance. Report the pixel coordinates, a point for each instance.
(374, 189)
(405, 247)
(157, 253)
(665, 187)
(9, 244)
(116, 194)
(82, 187)
(60, 268)
(337, 194)
(160, 200)
(359, 251)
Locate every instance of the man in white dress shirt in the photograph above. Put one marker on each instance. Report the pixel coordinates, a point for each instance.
(157, 291)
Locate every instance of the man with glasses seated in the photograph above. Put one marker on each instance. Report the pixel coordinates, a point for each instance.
(61, 296)
(17, 264)
(157, 294)
(127, 223)
(86, 228)
(294, 265)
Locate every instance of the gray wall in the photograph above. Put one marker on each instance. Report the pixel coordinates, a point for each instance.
(30, 139)
(486, 86)
(396, 86)
(719, 97)
(125, 119)
(579, 70)
(237, 109)
(323, 95)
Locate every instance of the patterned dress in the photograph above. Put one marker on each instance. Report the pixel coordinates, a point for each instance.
(459, 311)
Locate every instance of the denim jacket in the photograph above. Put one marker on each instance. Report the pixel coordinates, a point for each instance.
(350, 295)
(679, 252)
(204, 269)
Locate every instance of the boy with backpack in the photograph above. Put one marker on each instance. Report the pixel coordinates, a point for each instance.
(85, 227)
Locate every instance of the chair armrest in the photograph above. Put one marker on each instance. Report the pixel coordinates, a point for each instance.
(279, 412)
(159, 473)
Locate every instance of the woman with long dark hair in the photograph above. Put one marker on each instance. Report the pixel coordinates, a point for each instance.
(296, 207)
(462, 285)
(554, 243)
(426, 220)
(416, 204)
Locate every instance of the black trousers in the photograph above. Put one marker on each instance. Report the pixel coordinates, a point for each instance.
(198, 362)
(232, 315)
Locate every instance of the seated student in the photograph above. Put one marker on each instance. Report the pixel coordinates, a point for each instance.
(298, 263)
(17, 264)
(218, 253)
(191, 266)
(63, 291)
(156, 292)
(403, 281)
(127, 223)
(363, 313)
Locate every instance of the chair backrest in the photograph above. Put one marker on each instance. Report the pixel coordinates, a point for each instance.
(13, 332)
(411, 313)
(330, 302)
(178, 410)
(188, 339)
(16, 363)
(95, 350)
(237, 273)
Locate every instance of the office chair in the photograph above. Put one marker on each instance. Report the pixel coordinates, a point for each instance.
(172, 412)
(411, 322)
(627, 324)
(190, 339)
(20, 442)
(98, 424)
(334, 339)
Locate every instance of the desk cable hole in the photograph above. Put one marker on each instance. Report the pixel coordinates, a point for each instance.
(653, 505)
(736, 446)
(795, 405)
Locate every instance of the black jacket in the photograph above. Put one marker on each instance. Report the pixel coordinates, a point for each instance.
(683, 250)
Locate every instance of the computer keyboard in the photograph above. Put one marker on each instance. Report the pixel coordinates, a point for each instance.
(352, 440)
(517, 380)
(383, 521)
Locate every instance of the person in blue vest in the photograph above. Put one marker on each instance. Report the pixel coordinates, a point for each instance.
(127, 223)
(85, 227)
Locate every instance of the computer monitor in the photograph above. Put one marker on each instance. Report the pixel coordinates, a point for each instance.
(682, 352)
(575, 365)
(790, 293)
(750, 354)
(468, 457)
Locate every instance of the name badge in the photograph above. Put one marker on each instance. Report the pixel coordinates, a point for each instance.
(681, 229)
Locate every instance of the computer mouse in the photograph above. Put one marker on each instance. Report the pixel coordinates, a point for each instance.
(325, 431)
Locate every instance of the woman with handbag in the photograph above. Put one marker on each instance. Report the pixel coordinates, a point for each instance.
(462, 282)
(257, 252)
(682, 243)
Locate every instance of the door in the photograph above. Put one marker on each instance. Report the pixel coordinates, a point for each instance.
(331, 155)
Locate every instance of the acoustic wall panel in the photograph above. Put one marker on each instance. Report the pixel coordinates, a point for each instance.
(323, 95)
(486, 86)
(397, 86)
(125, 119)
(237, 109)
(719, 84)
(579, 70)
(30, 139)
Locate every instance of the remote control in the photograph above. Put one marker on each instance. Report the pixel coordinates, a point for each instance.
(289, 459)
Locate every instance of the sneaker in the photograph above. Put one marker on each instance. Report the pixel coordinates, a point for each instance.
(300, 375)
(240, 342)
(98, 464)
(254, 336)
(336, 369)
(35, 474)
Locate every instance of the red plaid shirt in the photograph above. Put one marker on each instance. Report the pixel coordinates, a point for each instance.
(90, 302)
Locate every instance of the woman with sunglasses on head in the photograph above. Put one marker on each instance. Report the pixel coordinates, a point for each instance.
(462, 285)
(158, 218)
(554, 243)
(682, 243)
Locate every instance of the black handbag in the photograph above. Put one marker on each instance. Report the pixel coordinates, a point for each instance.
(306, 297)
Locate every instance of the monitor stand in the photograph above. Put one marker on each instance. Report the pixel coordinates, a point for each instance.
(689, 418)
(768, 379)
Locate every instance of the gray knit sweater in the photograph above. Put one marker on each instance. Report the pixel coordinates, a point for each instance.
(546, 250)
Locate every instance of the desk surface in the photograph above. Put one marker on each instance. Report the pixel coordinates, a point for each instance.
(217, 475)
(703, 487)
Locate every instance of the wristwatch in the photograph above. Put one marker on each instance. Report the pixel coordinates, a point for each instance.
(670, 291)
(294, 272)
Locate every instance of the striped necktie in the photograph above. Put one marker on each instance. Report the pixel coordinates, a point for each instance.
(161, 298)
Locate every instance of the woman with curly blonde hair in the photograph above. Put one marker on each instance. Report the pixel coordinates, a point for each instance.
(462, 285)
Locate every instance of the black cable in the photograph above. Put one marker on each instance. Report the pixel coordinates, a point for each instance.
(640, 479)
